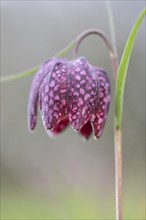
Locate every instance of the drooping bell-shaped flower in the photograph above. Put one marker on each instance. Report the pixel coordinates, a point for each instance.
(70, 92)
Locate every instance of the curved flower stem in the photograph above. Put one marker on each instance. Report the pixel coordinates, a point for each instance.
(101, 34)
(69, 47)
(19, 75)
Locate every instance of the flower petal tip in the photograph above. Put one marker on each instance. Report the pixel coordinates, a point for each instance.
(95, 138)
(86, 130)
(32, 120)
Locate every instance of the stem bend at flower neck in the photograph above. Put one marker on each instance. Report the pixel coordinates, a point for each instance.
(101, 34)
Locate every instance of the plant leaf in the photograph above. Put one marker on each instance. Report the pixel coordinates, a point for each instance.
(122, 71)
(32, 71)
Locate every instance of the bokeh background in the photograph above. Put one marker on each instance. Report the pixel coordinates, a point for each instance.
(66, 178)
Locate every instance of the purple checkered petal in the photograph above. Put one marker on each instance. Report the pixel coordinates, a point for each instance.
(52, 95)
(82, 92)
(33, 96)
(98, 119)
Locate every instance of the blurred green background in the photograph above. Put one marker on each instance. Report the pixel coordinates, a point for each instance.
(66, 178)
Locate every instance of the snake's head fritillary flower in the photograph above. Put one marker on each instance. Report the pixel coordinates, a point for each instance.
(70, 92)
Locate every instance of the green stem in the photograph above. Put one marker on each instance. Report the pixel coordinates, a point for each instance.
(66, 49)
(117, 131)
(32, 71)
(20, 75)
(119, 94)
(118, 172)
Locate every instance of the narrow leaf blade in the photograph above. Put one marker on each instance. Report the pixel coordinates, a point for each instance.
(123, 67)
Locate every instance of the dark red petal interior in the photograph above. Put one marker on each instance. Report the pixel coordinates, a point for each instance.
(86, 130)
(60, 127)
